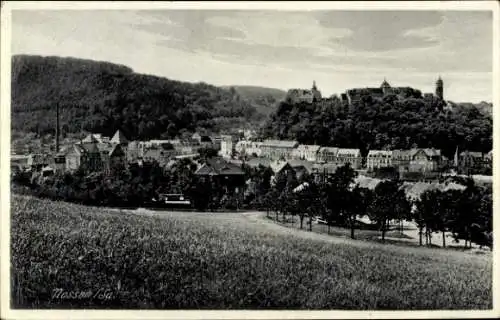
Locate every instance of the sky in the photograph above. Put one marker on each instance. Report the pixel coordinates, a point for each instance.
(279, 49)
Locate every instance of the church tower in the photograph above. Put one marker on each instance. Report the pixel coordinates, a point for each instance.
(439, 88)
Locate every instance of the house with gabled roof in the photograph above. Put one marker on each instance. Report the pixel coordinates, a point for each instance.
(424, 160)
(219, 167)
(472, 161)
(117, 157)
(279, 166)
(228, 176)
(119, 138)
(86, 155)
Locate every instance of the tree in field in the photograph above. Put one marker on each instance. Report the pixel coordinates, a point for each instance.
(426, 214)
(418, 217)
(484, 233)
(389, 203)
(473, 216)
(446, 207)
(361, 200)
(466, 214)
(340, 201)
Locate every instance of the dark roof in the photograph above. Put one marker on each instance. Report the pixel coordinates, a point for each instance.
(117, 151)
(218, 166)
(206, 139)
(297, 164)
(90, 147)
(255, 162)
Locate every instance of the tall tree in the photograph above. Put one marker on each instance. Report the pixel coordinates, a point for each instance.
(389, 203)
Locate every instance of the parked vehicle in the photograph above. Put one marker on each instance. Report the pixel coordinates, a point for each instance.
(173, 200)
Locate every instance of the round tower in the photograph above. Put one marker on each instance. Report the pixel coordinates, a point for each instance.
(439, 88)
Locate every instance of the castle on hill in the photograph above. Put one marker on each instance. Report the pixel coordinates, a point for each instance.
(353, 95)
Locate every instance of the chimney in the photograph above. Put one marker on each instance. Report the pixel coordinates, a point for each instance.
(57, 128)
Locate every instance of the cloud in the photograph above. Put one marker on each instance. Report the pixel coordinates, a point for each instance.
(274, 48)
(381, 30)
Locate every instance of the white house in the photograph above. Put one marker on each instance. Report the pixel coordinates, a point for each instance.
(226, 146)
(245, 147)
(378, 159)
(306, 152)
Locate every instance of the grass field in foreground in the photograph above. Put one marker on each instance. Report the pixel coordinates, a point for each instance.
(222, 261)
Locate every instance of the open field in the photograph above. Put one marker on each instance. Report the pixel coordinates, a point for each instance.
(170, 260)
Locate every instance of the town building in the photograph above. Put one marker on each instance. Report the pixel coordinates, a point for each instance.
(280, 166)
(248, 148)
(278, 149)
(401, 159)
(327, 154)
(378, 159)
(304, 95)
(119, 138)
(352, 156)
(36, 161)
(225, 174)
(134, 152)
(160, 153)
(19, 161)
(306, 152)
(227, 146)
(85, 156)
(425, 160)
(471, 162)
(117, 158)
(355, 95)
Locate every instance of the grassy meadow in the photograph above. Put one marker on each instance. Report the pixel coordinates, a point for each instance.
(223, 261)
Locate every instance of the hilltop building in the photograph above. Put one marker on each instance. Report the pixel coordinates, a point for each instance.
(304, 95)
(385, 89)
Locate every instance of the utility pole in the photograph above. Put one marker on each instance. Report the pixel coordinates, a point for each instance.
(57, 128)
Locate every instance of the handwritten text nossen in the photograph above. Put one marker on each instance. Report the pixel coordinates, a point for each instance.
(101, 294)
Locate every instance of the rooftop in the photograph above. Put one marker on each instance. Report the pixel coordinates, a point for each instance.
(280, 143)
(218, 166)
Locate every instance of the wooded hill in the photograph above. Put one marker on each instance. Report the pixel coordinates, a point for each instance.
(386, 123)
(102, 97)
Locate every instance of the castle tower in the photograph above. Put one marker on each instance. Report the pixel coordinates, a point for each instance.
(316, 93)
(439, 88)
(385, 86)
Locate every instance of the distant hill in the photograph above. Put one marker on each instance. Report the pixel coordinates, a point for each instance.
(256, 92)
(262, 96)
(484, 107)
(102, 97)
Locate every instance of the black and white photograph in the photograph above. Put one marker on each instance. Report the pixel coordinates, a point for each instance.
(237, 160)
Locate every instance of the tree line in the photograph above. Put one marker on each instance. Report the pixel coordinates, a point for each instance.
(335, 199)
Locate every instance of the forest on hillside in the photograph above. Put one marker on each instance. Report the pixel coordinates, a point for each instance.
(386, 123)
(103, 97)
